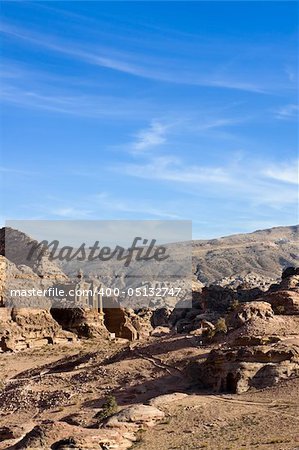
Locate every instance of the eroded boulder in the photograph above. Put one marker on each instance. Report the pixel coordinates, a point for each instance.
(246, 312)
(135, 416)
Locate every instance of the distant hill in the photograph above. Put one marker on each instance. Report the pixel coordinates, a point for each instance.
(264, 252)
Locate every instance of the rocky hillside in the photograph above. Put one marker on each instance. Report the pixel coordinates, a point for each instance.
(265, 253)
(16, 246)
(257, 258)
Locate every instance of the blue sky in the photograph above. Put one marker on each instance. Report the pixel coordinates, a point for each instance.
(151, 110)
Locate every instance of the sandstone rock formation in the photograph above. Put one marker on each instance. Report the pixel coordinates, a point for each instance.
(247, 312)
(262, 342)
(28, 328)
(21, 278)
(135, 417)
(118, 431)
(160, 317)
(83, 322)
(235, 370)
(284, 296)
(56, 435)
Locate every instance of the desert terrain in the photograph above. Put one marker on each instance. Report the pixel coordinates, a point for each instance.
(222, 374)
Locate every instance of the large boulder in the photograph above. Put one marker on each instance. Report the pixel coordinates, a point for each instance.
(249, 311)
(135, 417)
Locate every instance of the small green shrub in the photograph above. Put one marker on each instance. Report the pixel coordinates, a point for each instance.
(234, 304)
(109, 408)
(280, 309)
(220, 326)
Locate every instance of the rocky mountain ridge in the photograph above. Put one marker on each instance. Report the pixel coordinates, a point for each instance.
(264, 252)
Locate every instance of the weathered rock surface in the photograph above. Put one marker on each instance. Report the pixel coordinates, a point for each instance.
(264, 252)
(135, 416)
(165, 399)
(28, 328)
(237, 369)
(83, 322)
(50, 435)
(23, 279)
(140, 320)
(160, 317)
(284, 301)
(247, 281)
(160, 331)
(249, 311)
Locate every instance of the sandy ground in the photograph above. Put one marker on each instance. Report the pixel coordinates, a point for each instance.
(54, 382)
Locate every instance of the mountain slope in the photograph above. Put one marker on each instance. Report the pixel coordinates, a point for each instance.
(264, 252)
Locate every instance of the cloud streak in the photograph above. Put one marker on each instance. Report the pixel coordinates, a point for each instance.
(75, 105)
(129, 63)
(150, 137)
(287, 112)
(172, 169)
(287, 173)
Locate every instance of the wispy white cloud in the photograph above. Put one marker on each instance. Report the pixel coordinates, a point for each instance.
(218, 123)
(240, 179)
(287, 173)
(173, 169)
(291, 73)
(135, 64)
(287, 112)
(73, 104)
(150, 137)
(70, 212)
(16, 171)
(102, 204)
(56, 45)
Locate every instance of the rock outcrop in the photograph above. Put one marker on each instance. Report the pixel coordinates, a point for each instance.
(135, 417)
(21, 280)
(284, 297)
(284, 301)
(27, 328)
(83, 322)
(56, 435)
(261, 346)
(236, 370)
(118, 432)
(249, 311)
